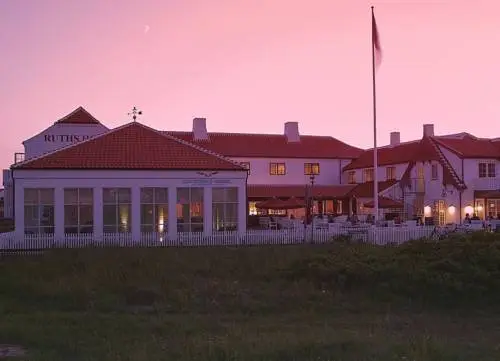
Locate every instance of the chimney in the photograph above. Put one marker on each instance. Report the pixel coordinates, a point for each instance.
(292, 132)
(428, 130)
(200, 129)
(395, 138)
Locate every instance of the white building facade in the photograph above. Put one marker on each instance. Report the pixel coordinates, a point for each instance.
(439, 177)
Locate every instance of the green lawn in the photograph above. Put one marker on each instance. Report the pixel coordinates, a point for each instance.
(423, 301)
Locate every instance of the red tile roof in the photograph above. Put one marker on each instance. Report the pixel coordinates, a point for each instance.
(424, 150)
(78, 116)
(132, 146)
(403, 153)
(286, 191)
(463, 145)
(468, 146)
(365, 190)
(273, 146)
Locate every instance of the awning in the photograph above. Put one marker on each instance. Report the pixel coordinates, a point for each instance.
(298, 191)
(384, 202)
(487, 194)
(365, 190)
(275, 203)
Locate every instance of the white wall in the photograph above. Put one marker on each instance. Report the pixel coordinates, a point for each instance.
(381, 172)
(127, 179)
(330, 171)
(60, 135)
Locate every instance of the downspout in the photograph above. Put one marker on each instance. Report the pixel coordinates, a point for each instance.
(13, 197)
(461, 191)
(340, 171)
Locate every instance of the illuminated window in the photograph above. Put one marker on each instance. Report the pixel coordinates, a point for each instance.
(39, 210)
(116, 210)
(277, 169)
(78, 210)
(390, 173)
(311, 168)
(351, 177)
(154, 210)
(225, 209)
(190, 209)
(368, 175)
(246, 165)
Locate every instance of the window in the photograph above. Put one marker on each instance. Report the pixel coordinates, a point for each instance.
(38, 210)
(311, 168)
(339, 208)
(390, 173)
(368, 175)
(351, 177)
(246, 165)
(116, 210)
(277, 169)
(189, 209)
(154, 210)
(434, 172)
(225, 209)
(78, 210)
(487, 170)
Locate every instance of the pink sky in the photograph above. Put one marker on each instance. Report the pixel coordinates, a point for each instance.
(251, 65)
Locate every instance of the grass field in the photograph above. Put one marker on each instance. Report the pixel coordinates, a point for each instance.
(421, 301)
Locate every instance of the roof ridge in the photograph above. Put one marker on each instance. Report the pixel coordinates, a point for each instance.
(189, 144)
(445, 163)
(43, 155)
(80, 108)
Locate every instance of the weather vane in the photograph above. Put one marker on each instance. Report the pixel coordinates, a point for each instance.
(135, 112)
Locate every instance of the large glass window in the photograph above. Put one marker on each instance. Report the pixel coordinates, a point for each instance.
(38, 210)
(78, 210)
(189, 209)
(225, 209)
(116, 210)
(154, 210)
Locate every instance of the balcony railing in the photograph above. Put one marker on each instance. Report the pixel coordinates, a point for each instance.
(18, 158)
(486, 184)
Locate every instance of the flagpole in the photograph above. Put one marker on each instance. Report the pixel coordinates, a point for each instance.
(375, 150)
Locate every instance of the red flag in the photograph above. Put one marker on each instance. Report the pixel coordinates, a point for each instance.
(377, 49)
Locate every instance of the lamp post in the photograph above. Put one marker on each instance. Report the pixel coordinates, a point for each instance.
(309, 203)
(311, 178)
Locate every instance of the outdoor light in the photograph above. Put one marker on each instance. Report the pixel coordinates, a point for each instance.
(468, 210)
(451, 210)
(427, 211)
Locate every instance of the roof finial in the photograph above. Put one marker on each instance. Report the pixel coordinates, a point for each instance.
(134, 113)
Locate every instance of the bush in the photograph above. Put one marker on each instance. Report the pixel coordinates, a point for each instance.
(460, 271)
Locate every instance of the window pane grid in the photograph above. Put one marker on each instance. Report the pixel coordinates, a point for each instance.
(117, 210)
(189, 209)
(154, 210)
(78, 210)
(225, 209)
(39, 210)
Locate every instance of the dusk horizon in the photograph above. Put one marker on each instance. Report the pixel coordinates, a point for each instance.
(251, 68)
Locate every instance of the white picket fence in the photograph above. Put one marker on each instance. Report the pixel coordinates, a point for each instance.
(374, 235)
